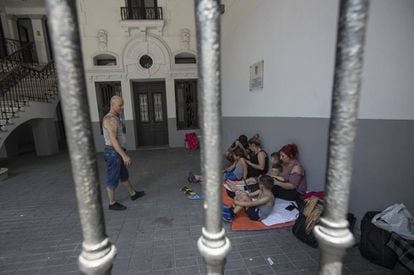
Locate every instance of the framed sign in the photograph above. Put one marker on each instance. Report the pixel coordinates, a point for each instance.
(256, 76)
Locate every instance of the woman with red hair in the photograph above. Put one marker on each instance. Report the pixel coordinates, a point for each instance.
(294, 184)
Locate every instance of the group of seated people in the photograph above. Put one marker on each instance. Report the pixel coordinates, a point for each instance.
(253, 185)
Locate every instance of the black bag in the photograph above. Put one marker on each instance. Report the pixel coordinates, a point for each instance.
(299, 230)
(373, 244)
(309, 215)
(303, 230)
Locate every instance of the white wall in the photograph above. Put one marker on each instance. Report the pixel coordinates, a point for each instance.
(296, 39)
(388, 86)
(105, 14)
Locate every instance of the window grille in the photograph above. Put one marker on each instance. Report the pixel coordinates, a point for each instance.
(186, 104)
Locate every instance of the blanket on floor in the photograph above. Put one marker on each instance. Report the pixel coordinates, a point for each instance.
(280, 217)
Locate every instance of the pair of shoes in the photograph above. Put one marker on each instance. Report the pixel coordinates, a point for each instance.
(117, 206)
(191, 178)
(185, 189)
(138, 194)
(190, 192)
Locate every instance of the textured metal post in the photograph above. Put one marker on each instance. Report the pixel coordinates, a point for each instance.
(213, 244)
(333, 234)
(97, 253)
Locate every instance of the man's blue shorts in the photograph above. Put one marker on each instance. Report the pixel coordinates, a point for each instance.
(115, 168)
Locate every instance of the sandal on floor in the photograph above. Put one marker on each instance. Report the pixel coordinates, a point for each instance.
(194, 197)
(185, 189)
(191, 178)
(190, 192)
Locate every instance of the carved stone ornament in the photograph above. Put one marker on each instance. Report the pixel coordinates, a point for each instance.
(185, 36)
(102, 39)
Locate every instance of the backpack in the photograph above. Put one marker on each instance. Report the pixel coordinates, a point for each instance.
(373, 243)
(191, 141)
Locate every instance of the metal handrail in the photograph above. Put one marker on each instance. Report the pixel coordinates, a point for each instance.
(23, 55)
(145, 13)
(24, 83)
(11, 45)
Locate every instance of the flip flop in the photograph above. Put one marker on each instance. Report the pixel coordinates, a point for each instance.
(190, 193)
(195, 197)
(185, 189)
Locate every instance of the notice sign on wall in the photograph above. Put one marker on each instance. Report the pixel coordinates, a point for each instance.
(256, 76)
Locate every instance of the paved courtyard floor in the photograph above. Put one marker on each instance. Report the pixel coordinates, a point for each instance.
(40, 231)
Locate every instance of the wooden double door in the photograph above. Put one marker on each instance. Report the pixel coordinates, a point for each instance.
(150, 113)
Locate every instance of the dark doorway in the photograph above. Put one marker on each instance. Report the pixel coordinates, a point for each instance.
(3, 49)
(151, 113)
(25, 29)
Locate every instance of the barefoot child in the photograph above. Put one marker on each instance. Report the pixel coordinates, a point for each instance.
(237, 171)
(257, 209)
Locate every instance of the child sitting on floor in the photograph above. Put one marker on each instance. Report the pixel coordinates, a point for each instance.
(257, 209)
(276, 171)
(236, 171)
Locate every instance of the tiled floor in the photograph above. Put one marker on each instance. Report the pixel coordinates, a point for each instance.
(40, 231)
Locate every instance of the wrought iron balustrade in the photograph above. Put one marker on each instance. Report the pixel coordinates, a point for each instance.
(24, 83)
(25, 54)
(10, 46)
(131, 13)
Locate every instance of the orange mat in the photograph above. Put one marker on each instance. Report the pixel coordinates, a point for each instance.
(242, 222)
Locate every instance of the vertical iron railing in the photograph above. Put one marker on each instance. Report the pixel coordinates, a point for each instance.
(333, 234)
(213, 244)
(98, 253)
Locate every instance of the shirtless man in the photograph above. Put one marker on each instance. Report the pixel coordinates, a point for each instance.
(115, 156)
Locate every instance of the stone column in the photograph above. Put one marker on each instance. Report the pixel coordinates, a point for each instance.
(129, 113)
(45, 137)
(12, 22)
(40, 38)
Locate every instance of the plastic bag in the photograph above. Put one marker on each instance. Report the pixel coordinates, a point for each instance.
(396, 218)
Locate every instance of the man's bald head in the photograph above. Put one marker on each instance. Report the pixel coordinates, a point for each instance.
(117, 104)
(116, 99)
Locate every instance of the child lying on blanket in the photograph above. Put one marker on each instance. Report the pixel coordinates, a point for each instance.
(257, 208)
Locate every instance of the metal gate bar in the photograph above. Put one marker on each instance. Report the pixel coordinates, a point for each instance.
(213, 244)
(333, 234)
(97, 252)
